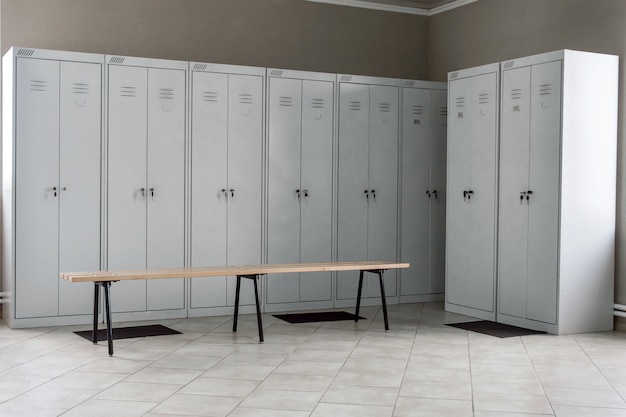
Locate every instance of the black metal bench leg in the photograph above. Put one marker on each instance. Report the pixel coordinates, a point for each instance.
(258, 308)
(383, 298)
(358, 297)
(236, 303)
(96, 304)
(107, 302)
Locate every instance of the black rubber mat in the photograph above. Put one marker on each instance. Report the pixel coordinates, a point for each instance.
(494, 329)
(130, 332)
(317, 317)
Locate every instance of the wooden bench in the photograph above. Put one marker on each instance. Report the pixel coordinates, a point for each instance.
(103, 279)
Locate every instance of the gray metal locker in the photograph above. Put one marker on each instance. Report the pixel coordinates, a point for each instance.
(424, 130)
(367, 180)
(300, 185)
(146, 162)
(472, 151)
(51, 162)
(226, 179)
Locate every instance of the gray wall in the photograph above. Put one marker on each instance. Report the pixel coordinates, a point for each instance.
(290, 34)
(496, 30)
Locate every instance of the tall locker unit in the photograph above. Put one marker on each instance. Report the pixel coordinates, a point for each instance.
(367, 189)
(300, 133)
(227, 126)
(147, 105)
(471, 209)
(52, 144)
(423, 215)
(557, 192)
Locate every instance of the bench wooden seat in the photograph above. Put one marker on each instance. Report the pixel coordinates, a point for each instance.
(103, 279)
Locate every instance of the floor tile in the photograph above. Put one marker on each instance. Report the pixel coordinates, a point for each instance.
(427, 407)
(282, 399)
(204, 405)
(138, 391)
(359, 395)
(220, 387)
(350, 410)
(522, 403)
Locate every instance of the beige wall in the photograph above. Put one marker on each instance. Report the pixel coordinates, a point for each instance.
(496, 30)
(290, 34)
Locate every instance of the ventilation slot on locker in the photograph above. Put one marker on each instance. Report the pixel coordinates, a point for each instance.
(276, 73)
(443, 111)
(409, 83)
(417, 109)
(25, 52)
(80, 88)
(460, 102)
(384, 107)
(211, 96)
(354, 105)
(345, 78)
(245, 98)
(317, 103)
(517, 94)
(200, 67)
(166, 93)
(116, 60)
(38, 85)
(483, 98)
(545, 89)
(508, 64)
(128, 91)
(285, 101)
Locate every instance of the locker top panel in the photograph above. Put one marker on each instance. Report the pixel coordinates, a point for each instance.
(549, 56)
(132, 61)
(227, 69)
(424, 85)
(301, 75)
(471, 72)
(363, 79)
(20, 52)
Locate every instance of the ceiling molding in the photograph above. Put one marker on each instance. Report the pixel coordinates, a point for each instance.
(397, 9)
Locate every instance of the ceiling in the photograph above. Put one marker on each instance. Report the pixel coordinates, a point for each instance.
(419, 7)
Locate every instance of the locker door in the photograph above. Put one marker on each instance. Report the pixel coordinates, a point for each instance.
(245, 136)
(209, 164)
(416, 196)
(483, 157)
(382, 228)
(438, 136)
(545, 134)
(37, 189)
(166, 184)
(457, 211)
(285, 124)
(80, 144)
(127, 191)
(352, 182)
(513, 237)
(317, 181)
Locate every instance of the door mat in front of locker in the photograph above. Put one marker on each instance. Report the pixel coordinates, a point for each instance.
(494, 329)
(130, 332)
(316, 317)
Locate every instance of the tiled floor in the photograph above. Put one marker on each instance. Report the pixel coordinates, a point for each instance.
(419, 368)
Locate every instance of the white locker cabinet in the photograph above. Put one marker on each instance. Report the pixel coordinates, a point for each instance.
(52, 141)
(471, 205)
(367, 190)
(227, 125)
(146, 180)
(422, 225)
(300, 185)
(557, 192)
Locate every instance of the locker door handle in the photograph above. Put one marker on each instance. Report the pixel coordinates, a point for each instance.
(528, 194)
(152, 193)
(306, 193)
(373, 194)
(434, 193)
(54, 191)
(232, 192)
(225, 192)
(427, 193)
(143, 192)
(469, 194)
(367, 195)
(298, 193)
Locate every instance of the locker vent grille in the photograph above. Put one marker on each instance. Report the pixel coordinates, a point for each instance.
(245, 98)
(317, 103)
(25, 52)
(354, 105)
(409, 83)
(384, 107)
(417, 109)
(443, 111)
(276, 73)
(38, 85)
(166, 93)
(483, 98)
(285, 101)
(460, 101)
(116, 60)
(345, 78)
(80, 88)
(517, 94)
(454, 75)
(128, 91)
(210, 96)
(545, 89)
(508, 64)
(200, 67)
